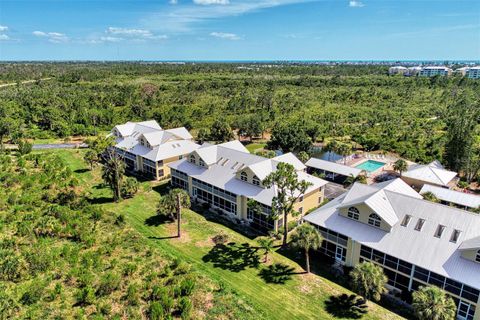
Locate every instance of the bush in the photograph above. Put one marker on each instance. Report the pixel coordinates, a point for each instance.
(86, 296)
(185, 307)
(33, 293)
(187, 286)
(109, 283)
(133, 295)
(129, 187)
(221, 238)
(156, 311)
(24, 147)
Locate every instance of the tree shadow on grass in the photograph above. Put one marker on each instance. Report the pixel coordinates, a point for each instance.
(346, 306)
(232, 256)
(278, 273)
(81, 170)
(162, 189)
(100, 200)
(156, 220)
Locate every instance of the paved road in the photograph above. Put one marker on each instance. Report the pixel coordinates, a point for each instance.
(333, 190)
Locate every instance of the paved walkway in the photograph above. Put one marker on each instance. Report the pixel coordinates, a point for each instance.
(45, 146)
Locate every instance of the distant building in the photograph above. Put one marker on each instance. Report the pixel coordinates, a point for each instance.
(473, 73)
(416, 242)
(228, 178)
(413, 71)
(147, 148)
(462, 71)
(397, 70)
(461, 200)
(433, 173)
(434, 70)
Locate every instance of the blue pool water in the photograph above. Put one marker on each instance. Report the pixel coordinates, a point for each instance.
(370, 165)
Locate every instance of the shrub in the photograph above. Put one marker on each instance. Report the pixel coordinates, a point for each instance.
(120, 220)
(129, 187)
(133, 294)
(129, 269)
(156, 311)
(221, 238)
(33, 293)
(109, 283)
(185, 307)
(86, 296)
(186, 286)
(24, 147)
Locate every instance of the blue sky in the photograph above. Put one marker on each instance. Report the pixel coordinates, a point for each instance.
(239, 30)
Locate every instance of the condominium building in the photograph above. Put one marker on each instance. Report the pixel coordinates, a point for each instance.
(433, 173)
(435, 70)
(147, 149)
(228, 177)
(397, 70)
(415, 241)
(473, 73)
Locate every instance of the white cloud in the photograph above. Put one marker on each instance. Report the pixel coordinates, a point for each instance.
(4, 37)
(173, 1)
(356, 4)
(53, 37)
(185, 18)
(224, 35)
(210, 2)
(3, 28)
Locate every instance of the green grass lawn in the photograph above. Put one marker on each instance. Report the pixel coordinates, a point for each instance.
(252, 147)
(282, 293)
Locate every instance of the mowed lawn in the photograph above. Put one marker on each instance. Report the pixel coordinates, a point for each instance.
(283, 293)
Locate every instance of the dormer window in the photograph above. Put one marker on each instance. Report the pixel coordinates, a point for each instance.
(439, 231)
(406, 220)
(374, 220)
(192, 159)
(477, 258)
(455, 236)
(201, 163)
(419, 224)
(142, 142)
(353, 213)
(256, 181)
(243, 176)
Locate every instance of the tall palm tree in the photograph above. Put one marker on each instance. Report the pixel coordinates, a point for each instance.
(368, 280)
(307, 237)
(400, 165)
(432, 303)
(172, 204)
(267, 245)
(112, 173)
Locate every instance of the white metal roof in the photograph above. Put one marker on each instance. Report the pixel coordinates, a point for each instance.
(333, 167)
(291, 159)
(130, 128)
(421, 248)
(225, 160)
(432, 173)
(461, 198)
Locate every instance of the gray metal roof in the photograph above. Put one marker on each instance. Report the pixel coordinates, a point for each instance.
(421, 248)
(333, 167)
(460, 198)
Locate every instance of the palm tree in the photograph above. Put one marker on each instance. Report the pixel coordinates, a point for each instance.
(112, 173)
(430, 196)
(400, 165)
(307, 237)
(267, 245)
(174, 202)
(368, 280)
(432, 303)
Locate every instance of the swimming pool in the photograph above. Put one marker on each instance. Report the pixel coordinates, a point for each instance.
(370, 165)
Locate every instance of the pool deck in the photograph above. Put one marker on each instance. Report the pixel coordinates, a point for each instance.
(387, 168)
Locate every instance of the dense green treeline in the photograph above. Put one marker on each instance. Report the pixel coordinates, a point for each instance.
(400, 114)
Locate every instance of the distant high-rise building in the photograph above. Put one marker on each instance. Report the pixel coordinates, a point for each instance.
(473, 73)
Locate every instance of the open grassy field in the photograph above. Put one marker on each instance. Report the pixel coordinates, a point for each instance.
(276, 290)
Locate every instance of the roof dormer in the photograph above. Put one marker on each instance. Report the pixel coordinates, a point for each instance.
(471, 249)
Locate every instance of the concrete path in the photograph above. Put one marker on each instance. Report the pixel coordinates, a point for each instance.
(23, 82)
(58, 146)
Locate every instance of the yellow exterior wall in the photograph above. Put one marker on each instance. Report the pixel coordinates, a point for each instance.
(365, 211)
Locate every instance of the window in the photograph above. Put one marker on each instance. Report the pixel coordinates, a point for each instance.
(243, 176)
(353, 213)
(374, 220)
(256, 181)
(420, 224)
(141, 142)
(455, 236)
(192, 159)
(439, 231)
(201, 163)
(300, 199)
(406, 220)
(477, 258)
(300, 210)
